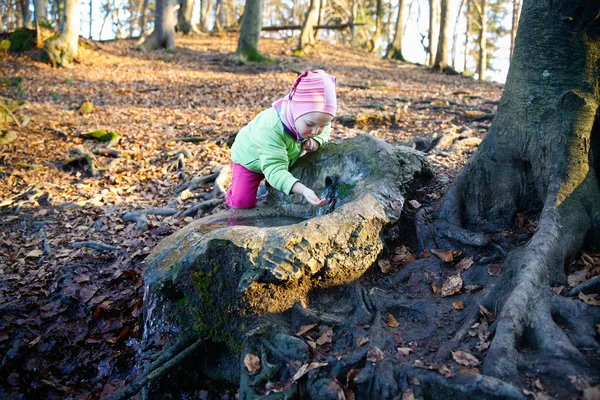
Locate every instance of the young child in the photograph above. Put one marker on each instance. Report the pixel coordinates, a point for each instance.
(274, 140)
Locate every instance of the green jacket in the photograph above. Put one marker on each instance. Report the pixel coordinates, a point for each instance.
(263, 146)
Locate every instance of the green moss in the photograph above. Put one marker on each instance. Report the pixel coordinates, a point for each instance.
(103, 136)
(344, 189)
(253, 55)
(22, 39)
(211, 321)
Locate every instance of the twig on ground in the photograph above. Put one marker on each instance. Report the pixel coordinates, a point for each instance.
(96, 246)
(141, 217)
(11, 114)
(156, 370)
(196, 182)
(108, 152)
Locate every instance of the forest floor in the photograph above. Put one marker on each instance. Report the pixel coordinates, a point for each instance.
(71, 285)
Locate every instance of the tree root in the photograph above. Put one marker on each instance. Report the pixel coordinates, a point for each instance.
(590, 286)
(141, 217)
(80, 156)
(196, 182)
(167, 360)
(201, 206)
(96, 246)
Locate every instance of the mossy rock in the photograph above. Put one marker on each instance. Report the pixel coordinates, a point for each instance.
(104, 136)
(22, 40)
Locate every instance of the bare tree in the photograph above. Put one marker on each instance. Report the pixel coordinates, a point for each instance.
(41, 12)
(163, 35)
(184, 17)
(482, 64)
(206, 7)
(515, 22)
(307, 34)
(26, 20)
(250, 32)
(434, 26)
(441, 58)
(62, 49)
(394, 50)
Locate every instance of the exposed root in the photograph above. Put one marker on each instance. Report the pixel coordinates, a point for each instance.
(141, 217)
(587, 287)
(80, 156)
(196, 182)
(201, 206)
(168, 360)
(97, 246)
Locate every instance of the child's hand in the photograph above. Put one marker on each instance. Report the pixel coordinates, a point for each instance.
(313, 199)
(310, 145)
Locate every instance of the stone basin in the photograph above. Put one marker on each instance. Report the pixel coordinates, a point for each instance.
(224, 275)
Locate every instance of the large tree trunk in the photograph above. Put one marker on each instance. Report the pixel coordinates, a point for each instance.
(184, 17)
(307, 34)
(26, 20)
(142, 13)
(541, 155)
(441, 58)
(41, 12)
(395, 48)
(482, 65)
(163, 35)
(250, 32)
(468, 27)
(206, 7)
(434, 26)
(515, 21)
(375, 44)
(62, 49)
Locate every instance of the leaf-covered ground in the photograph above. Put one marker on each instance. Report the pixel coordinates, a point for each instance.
(71, 267)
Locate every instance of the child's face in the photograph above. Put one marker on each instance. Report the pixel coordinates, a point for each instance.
(312, 124)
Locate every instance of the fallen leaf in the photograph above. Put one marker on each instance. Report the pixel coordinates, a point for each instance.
(402, 353)
(470, 371)
(362, 341)
(444, 255)
(494, 269)
(487, 314)
(465, 358)
(353, 373)
(558, 289)
(403, 259)
(374, 354)
(592, 299)
(385, 266)
(538, 384)
(445, 371)
(408, 394)
(326, 336)
(392, 322)
(252, 363)
(305, 328)
(473, 288)
(34, 254)
(464, 264)
(482, 346)
(458, 305)
(306, 368)
(591, 393)
(577, 277)
(451, 286)
(580, 382)
(587, 259)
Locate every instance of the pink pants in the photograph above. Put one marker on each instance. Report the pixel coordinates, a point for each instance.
(244, 186)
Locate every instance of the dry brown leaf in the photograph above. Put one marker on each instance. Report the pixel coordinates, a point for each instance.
(305, 328)
(385, 266)
(408, 394)
(362, 341)
(451, 286)
(403, 259)
(587, 259)
(464, 264)
(326, 336)
(252, 363)
(470, 371)
(494, 269)
(353, 373)
(306, 368)
(445, 371)
(402, 353)
(487, 314)
(578, 277)
(538, 384)
(558, 289)
(482, 346)
(458, 305)
(34, 254)
(374, 354)
(592, 299)
(444, 255)
(591, 393)
(465, 358)
(473, 113)
(392, 322)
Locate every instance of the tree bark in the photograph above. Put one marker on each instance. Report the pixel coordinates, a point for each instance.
(467, 29)
(250, 32)
(163, 35)
(455, 34)
(541, 155)
(41, 12)
(375, 43)
(206, 7)
(307, 34)
(63, 49)
(26, 21)
(142, 14)
(441, 58)
(434, 26)
(482, 64)
(515, 21)
(395, 48)
(184, 17)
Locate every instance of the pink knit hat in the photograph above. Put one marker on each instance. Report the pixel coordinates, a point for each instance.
(312, 91)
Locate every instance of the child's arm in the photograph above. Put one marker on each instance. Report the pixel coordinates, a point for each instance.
(308, 194)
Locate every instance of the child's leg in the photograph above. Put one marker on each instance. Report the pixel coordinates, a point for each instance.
(244, 185)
